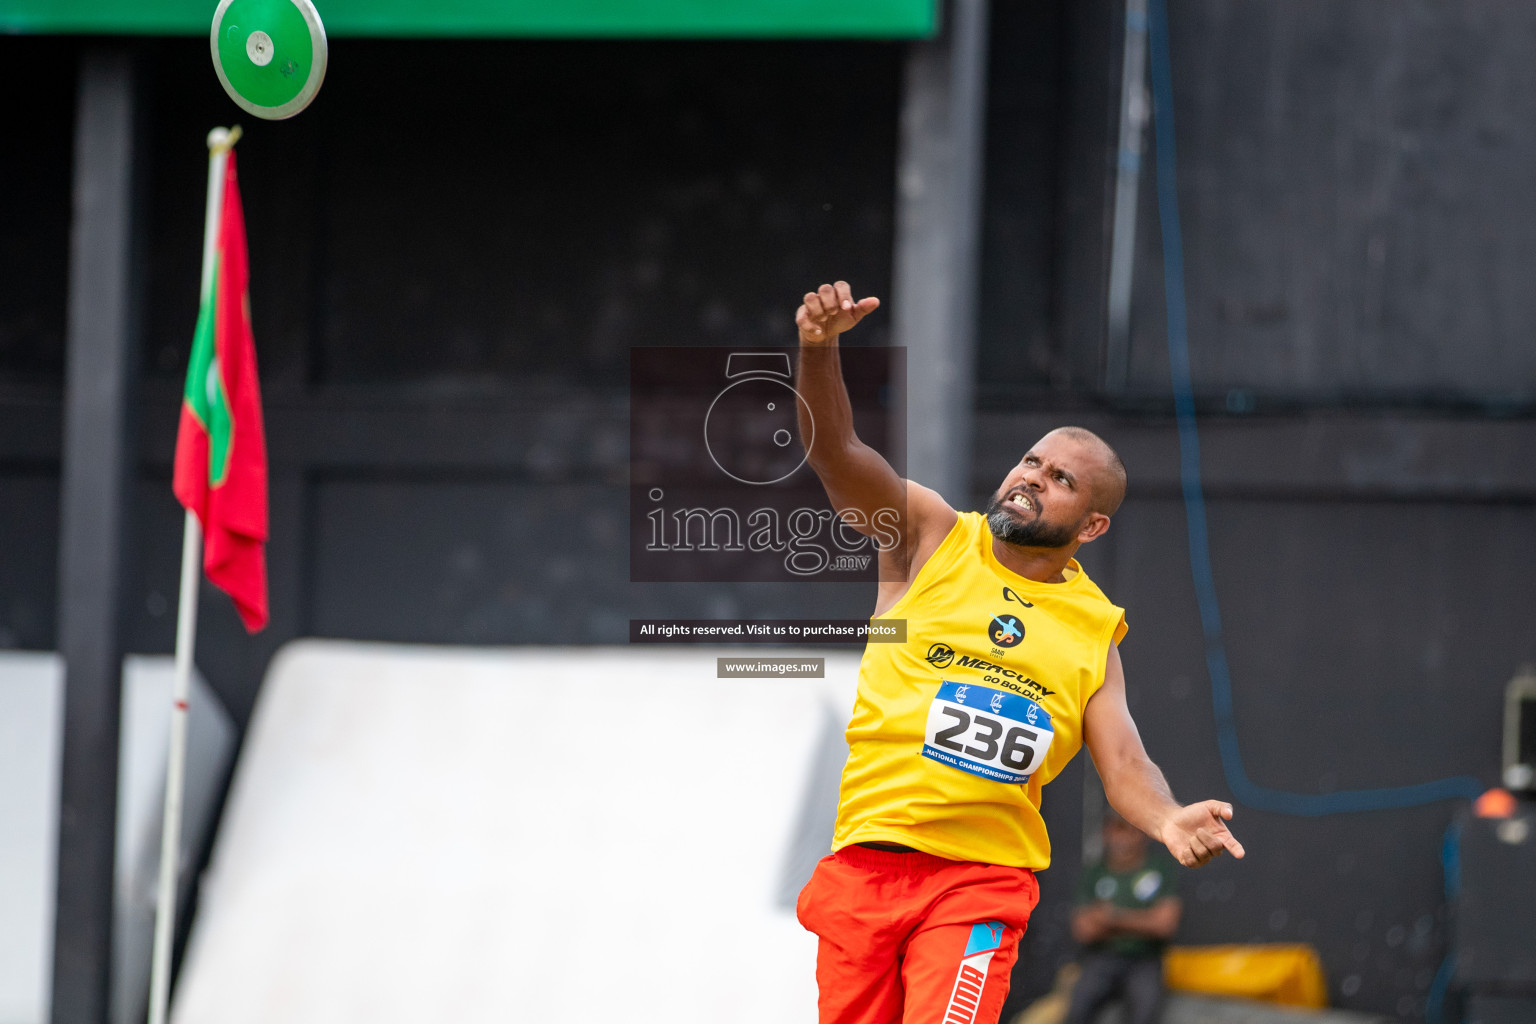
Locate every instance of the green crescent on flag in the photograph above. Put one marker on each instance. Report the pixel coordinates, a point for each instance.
(205, 397)
(221, 449)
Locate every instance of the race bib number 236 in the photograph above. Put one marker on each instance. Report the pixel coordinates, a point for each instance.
(987, 732)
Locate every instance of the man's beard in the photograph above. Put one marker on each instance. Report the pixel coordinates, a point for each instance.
(1034, 534)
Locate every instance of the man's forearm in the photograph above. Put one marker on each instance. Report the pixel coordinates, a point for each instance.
(1138, 790)
(862, 487)
(1156, 922)
(1089, 923)
(826, 417)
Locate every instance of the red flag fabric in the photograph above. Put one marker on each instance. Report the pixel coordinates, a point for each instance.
(221, 448)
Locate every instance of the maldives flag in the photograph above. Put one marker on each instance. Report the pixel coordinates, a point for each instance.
(221, 450)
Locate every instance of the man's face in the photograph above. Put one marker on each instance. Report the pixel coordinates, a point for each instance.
(1047, 499)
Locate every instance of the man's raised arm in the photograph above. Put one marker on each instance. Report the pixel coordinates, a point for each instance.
(859, 481)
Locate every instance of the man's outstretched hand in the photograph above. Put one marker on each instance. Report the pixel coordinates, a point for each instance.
(829, 311)
(1197, 833)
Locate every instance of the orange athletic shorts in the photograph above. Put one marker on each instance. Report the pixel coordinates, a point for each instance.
(908, 937)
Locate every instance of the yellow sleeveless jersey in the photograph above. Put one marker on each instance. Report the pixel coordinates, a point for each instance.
(954, 732)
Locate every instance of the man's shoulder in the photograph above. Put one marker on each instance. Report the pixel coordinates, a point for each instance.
(1087, 587)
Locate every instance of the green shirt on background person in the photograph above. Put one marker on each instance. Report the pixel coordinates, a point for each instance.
(1137, 889)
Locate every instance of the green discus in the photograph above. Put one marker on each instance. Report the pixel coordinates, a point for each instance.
(270, 54)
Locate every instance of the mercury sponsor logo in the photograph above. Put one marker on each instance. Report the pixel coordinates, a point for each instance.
(940, 655)
(966, 661)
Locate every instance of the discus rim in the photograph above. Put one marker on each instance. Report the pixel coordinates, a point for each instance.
(306, 93)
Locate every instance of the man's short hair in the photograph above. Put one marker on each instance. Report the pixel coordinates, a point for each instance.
(1109, 486)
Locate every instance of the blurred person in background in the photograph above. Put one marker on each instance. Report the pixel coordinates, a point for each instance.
(1127, 910)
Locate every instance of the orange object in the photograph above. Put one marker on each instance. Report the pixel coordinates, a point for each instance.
(1496, 803)
(910, 936)
(1287, 974)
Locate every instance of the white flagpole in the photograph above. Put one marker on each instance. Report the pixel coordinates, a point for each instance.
(220, 140)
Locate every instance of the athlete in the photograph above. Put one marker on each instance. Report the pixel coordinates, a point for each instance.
(1011, 663)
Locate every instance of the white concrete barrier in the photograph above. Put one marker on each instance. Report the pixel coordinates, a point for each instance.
(31, 742)
(586, 834)
(31, 737)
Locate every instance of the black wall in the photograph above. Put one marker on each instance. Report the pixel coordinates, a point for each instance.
(444, 364)
(455, 247)
(1354, 180)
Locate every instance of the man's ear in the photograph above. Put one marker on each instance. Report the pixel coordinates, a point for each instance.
(1093, 528)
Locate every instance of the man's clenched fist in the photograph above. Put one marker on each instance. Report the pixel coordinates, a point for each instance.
(829, 311)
